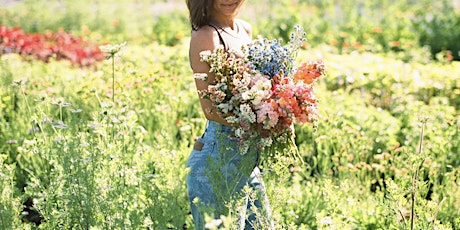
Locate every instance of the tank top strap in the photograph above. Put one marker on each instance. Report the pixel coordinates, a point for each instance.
(220, 35)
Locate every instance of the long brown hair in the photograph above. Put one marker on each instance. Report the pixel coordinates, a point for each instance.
(199, 12)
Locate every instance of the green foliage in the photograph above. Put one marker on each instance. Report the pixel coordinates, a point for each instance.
(351, 25)
(99, 172)
(437, 30)
(284, 14)
(170, 29)
(125, 159)
(347, 26)
(349, 134)
(299, 203)
(101, 21)
(10, 204)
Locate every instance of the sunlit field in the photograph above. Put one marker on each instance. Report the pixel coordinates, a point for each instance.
(98, 139)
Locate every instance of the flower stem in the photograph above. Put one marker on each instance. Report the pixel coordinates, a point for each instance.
(415, 177)
(113, 79)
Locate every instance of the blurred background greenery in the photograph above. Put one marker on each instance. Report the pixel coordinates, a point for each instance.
(383, 26)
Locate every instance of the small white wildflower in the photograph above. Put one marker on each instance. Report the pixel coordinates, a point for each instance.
(213, 224)
(247, 113)
(147, 222)
(246, 80)
(115, 120)
(59, 101)
(248, 95)
(327, 220)
(222, 86)
(60, 125)
(20, 82)
(111, 50)
(204, 55)
(106, 105)
(244, 148)
(185, 128)
(265, 142)
(225, 107)
(220, 48)
(239, 132)
(224, 80)
(240, 87)
(29, 142)
(94, 125)
(232, 119)
(259, 95)
(237, 82)
(200, 76)
(41, 97)
(282, 138)
(11, 142)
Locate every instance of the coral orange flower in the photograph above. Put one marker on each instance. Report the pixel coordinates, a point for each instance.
(309, 71)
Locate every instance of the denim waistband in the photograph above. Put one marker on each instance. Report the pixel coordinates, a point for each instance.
(213, 127)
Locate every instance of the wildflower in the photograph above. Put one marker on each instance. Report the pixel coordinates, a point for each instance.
(266, 115)
(60, 102)
(225, 107)
(20, 82)
(112, 50)
(327, 220)
(41, 98)
(10, 142)
(60, 125)
(309, 71)
(215, 223)
(266, 142)
(247, 113)
(279, 58)
(201, 76)
(204, 55)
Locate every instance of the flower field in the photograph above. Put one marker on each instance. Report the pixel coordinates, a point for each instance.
(88, 142)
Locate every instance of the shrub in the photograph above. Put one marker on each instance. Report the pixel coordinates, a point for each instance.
(170, 29)
(439, 31)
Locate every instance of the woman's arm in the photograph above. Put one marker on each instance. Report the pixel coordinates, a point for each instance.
(204, 39)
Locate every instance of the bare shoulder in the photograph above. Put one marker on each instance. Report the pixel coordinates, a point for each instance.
(246, 25)
(203, 39)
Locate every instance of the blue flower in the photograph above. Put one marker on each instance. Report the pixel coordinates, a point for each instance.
(270, 57)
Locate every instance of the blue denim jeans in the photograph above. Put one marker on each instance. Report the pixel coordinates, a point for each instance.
(218, 174)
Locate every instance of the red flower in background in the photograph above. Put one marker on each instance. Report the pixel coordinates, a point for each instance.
(61, 45)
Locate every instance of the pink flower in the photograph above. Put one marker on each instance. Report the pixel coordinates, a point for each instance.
(267, 115)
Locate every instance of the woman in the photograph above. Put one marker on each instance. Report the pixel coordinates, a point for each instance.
(218, 173)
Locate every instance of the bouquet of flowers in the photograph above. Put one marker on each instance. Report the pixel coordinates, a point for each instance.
(262, 94)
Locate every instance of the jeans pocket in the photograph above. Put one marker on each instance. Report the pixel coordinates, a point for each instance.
(198, 146)
(199, 156)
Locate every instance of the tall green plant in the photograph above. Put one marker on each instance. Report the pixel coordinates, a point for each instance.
(10, 205)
